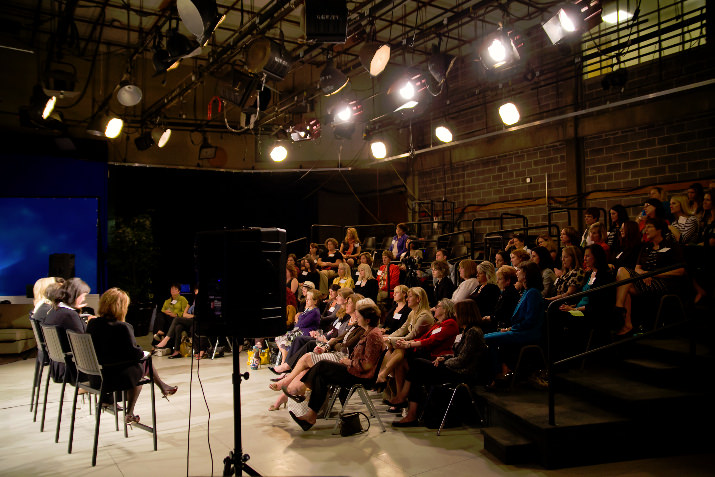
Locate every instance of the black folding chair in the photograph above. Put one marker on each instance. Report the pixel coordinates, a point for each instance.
(58, 355)
(85, 359)
(41, 363)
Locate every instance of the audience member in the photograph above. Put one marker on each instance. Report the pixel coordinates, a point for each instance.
(292, 278)
(314, 252)
(443, 256)
(695, 195)
(517, 242)
(468, 273)
(333, 305)
(365, 258)
(388, 277)
(706, 236)
(309, 271)
(331, 258)
(344, 279)
(179, 324)
(508, 299)
(569, 236)
(684, 221)
(542, 257)
(652, 208)
(443, 286)
(501, 258)
(305, 322)
(40, 291)
(518, 256)
(350, 248)
(487, 292)
(572, 275)
(619, 216)
(661, 196)
(591, 216)
(397, 315)
(598, 236)
(398, 247)
(629, 246)
(366, 284)
(547, 242)
(173, 307)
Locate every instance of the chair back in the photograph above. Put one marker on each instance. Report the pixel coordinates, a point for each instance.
(40, 339)
(53, 343)
(83, 353)
(373, 378)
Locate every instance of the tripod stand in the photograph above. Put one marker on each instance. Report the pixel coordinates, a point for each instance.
(236, 461)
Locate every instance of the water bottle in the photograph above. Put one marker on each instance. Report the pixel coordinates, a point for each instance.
(256, 360)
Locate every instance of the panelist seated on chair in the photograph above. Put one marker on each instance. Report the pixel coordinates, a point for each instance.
(172, 308)
(117, 350)
(464, 365)
(360, 368)
(67, 299)
(181, 323)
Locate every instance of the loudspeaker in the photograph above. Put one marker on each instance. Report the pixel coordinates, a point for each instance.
(61, 265)
(241, 277)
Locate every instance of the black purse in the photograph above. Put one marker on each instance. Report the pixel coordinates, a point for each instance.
(350, 424)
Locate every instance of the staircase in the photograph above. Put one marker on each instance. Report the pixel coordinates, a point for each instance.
(653, 397)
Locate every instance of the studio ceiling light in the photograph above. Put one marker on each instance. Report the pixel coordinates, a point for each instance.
(279, 153)
(105, 125)
(499, 49)
(332, 80)
(374, 57)
(161, 135)
(163, 62)
(305, 131)
(378, 149)
(128, 94)
(264, 55)
(42, 104)
(509, 114)
(572, 19)
(144, 141)
(179, 46)
(443, 133)
(439, 64)
(200, 17)
(407, 89)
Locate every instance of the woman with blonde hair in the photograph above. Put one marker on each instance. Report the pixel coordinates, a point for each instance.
(344, 279)
(350, 248)
(468, 273)
(396, 316)
(114, 342)
(39, 297)
(573, 275)
(685, 223)
(487, 293)
(366, 284)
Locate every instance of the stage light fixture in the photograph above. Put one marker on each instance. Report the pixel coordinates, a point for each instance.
(161, 135)
(265, 55)
(41, 104)
(144, 141)
(374, 57)
(618, 16)
(278, 153)
(443, 133)
(573, 18)
(439, 64)
(408, 88)
(305, 131)
(179, 46)
(163, 62)
(509, 114)
(378, 149)
(200, 17)
(332, 80)
(128, 94)
(499, 50)
(104, 125)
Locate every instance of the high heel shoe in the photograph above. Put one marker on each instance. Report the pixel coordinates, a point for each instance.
(380, 387)
(170, 391)
(273, 370)
(305, 425)
(132, 419)
(279, 378)
(296, 397)
(276, 408)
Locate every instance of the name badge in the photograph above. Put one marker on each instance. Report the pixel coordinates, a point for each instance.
(331, 309)
(379, 272)
(436, 330)
(664, 249)
(331, 255)
(305, 273)
(592, 280)
(397, 316)
(174, 302)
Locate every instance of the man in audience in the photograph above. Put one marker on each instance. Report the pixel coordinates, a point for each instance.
(517, 242)
(441, 256)
(590, 217)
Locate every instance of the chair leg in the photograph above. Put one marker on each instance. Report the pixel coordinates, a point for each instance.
(370, 407)
(124, 412)
(38, 365)
(44, 405)
(116, 414)
(153, 404)
(37, 394)
(342, 410)
(74, 412)
(98, 414)
(59, 413)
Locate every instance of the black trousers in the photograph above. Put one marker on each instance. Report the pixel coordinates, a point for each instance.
(178, 325)
(322, 375)
(423, 372)
(307, 347)
(298, 343)
(162, 322)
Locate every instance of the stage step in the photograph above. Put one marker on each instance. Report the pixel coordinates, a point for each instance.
(507, 446)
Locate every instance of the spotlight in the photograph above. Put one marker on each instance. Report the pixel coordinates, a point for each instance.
(439, 64)
(408, 88)
(332, 80)
(163, 62)
(128, 94)
(161, 135)
(264, 55)
(144, 141)
(206, 150)
(342, 117)
(305, 131)
(499, 50)
(104, 125)
(615, 79)
(443, 133)
(201, 18)
(619, 16)
(179, 46)
(509, 114)
(374, 57)
(572, 18)
(379, 150)
(41, 105)
(279, 153)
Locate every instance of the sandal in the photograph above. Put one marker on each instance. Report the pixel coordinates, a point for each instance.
(132, 419)
(170, 391)
(299, 398)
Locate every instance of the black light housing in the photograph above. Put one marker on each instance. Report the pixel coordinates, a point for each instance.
(326, 21)
(332, 80)
(500, 49)
(201, 18)
(179, 46)
(264, 55)
(439, 64)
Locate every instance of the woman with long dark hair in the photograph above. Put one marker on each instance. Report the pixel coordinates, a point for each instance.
(542, 257)
(619, 216)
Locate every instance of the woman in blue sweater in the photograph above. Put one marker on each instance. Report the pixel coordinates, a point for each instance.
(526, 322)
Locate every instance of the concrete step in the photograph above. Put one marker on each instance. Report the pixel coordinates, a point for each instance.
(508, 446)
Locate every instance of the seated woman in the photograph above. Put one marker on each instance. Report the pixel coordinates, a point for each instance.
(40, 291)
(526, 322)
(114, 342)
(314, 252)
(331, 258)
(657, 253)
(398, 246)
(366, 284)
(545, 240)
(597, 233)
(542, 257)
(572, 276)
(67, 299)
(335, 349)
(397, 315)
(309, 271)
(629, 246)
(358, 369)
(172, 308)
(435, 342)
(350, 248)
(366, 258)
(385, 286)
(706, 236)
(652, 208)
(333, 305)
(305, 322)
(685, 222)
(619, 216)
(467, 272)
(505, 305)
(501, 258)
(184, 322)
(593, 310)
(443, 286)
(344, 280)
(292, 278)
(569, 236)
(487, 293)
(463, 365)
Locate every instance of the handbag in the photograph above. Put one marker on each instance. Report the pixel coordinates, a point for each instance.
(350, 424)
(264, 354)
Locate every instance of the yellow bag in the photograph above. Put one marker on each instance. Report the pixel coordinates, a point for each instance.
(264, 356)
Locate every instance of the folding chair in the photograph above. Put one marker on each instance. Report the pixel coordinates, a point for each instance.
(42, 361)
(85, 359)
(57, 355)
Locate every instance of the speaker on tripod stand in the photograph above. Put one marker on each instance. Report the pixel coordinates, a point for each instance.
(241, 277)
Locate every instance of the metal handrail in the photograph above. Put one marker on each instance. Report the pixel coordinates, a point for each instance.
(554, 305)
(440, 238)
(500, 233)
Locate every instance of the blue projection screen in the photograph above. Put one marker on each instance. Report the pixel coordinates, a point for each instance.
(31, 229)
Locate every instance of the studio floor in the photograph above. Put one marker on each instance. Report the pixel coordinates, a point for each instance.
(276, 445)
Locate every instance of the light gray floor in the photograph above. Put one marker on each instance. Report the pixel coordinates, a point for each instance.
(277, 446)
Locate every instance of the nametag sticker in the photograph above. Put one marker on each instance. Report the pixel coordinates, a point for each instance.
(331, 255)
(305, 273)
(436, 330)
(379, 272)
(397, 316)
(619, 255)
(592, 280)
(174, 302)
(576, 313)
(664, 249)
(331, 309)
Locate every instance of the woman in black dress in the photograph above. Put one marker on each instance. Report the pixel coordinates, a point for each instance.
(114, 342)
(366, 285)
